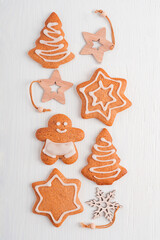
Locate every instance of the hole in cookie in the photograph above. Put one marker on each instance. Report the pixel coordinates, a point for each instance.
(103, 204)
(96, 44)
(54, 88)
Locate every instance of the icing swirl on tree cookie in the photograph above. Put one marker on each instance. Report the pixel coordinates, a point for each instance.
(51, 47)
(103, 164)
(44, 54)
(104, 153)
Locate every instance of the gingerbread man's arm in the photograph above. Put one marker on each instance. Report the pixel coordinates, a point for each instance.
(42, 134)
(77, 134)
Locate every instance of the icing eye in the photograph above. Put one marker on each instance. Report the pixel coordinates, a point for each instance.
(58, 123)
(65, 123)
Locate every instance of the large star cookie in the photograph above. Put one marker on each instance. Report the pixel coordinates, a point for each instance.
(103, 97)
(57, 197)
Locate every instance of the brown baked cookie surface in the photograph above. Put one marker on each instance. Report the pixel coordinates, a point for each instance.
(51, 47)
(103, 97)
(57, 197)
(103, 164)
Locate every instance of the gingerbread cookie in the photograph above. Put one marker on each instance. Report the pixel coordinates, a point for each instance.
(57, 197)
(51, 47)
(103, 97)
(59, 138)
(103, 164)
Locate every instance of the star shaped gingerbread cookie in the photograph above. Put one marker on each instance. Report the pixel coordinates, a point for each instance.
(100, 37)
(103, 97)
(55, 79)
(57, 197)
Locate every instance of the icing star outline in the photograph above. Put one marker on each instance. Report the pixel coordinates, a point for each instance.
(65, 210)
(99, 36)
(55, 79)
(95, 102)
(104, 112)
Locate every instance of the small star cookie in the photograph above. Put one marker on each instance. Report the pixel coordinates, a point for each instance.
(57, 197)
(99, 37)
(55, 79)
(103, 97)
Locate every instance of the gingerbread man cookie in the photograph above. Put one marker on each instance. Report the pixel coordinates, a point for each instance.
(57, 197)
(59, 138)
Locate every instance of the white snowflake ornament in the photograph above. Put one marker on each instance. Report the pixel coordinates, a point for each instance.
(105, 207)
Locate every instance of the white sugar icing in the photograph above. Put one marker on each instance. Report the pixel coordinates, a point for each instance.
(53, 149)
(48, 184)
(87, 111)
(100, 158)
(61, 131)
(95, 102)
(51, 53)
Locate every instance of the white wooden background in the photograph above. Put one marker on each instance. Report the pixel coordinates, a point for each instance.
(135, 132)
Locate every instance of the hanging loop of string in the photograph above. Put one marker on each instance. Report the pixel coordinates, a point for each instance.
(40, 109)
(93, 226)
(103, 14)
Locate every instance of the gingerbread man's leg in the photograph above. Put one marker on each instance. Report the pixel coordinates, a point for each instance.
(47, 159)
(70, 157)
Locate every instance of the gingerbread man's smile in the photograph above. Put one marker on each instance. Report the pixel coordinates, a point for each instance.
(61, 125)
(61, 131)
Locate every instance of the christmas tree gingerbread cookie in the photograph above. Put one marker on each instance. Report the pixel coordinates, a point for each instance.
(57, 197)
(103, 164)
(103, 97)
(51, 47)
(59, 138)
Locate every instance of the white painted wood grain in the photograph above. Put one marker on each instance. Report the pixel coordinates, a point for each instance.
(135, 132)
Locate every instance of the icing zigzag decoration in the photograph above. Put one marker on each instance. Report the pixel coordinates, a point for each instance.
(51, 47)
(103, 97)
(103, 164)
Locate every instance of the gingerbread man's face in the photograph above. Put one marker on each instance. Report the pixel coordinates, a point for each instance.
(60, 123)
(60, 130)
